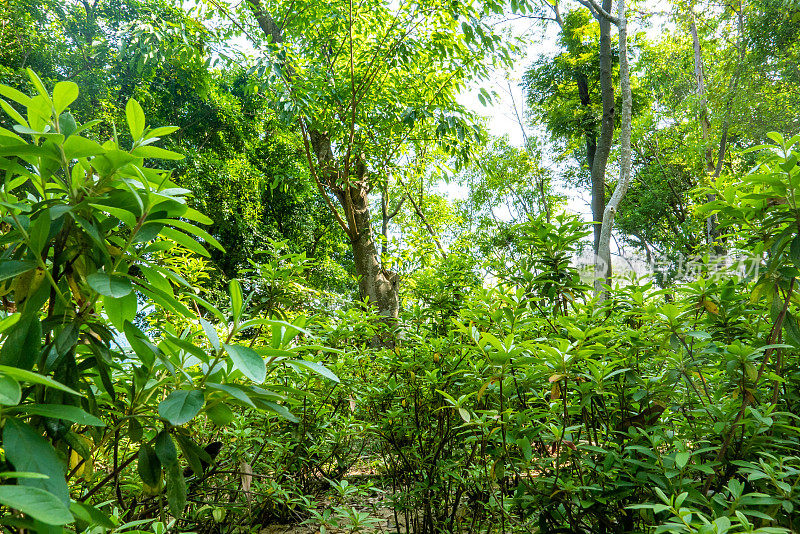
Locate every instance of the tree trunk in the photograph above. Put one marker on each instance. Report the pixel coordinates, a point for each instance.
(603, 146)
(705, 124)
(376, 285)
(346, 179)
(603, 261)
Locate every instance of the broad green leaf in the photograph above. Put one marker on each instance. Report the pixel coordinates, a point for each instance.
(194, 215)
(28, 451)
(234, 392)
(149, 466)
(135, 116)
(279, 410)
(160, 131)
(90, 515)
(184, 240)
(16, 96)
(79, 147)
(64, 94)
(211, 333)
(192, 230)
(21, 346)
(13, 113)
(248, 362)
(39, 232)
(165, 449)
(122, 214)
(220, 414)
(41, 505)
(176, 490)
(35, 378)
(195, 456)
(10, 392)
(9, 321)
(109, 286)
(61, 411)
(187, 346)
(181, 406)
(140, 344)
(37, 82)
(682, 458)
(156, 153)
(316, 367)
(12, 268)
(236, 299)
(120, 310)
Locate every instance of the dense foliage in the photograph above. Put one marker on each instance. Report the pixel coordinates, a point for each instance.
(187, 343)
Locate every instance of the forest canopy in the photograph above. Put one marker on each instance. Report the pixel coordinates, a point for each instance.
(271, 266)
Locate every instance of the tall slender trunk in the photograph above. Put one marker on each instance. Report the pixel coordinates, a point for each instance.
(603, 261)
(603, 146)
(705, 123)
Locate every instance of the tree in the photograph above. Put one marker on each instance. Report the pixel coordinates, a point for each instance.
(603, 255)
(570, 82)
(362, 82)
(246, 173)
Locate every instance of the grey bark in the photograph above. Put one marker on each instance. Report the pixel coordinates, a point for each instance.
(603, 257)
(603, 147)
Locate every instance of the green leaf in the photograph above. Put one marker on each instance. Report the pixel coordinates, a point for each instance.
(794, 251)
(682, 458)
(194, 215)
(220, 414)
(39, 231)
(28, 451)
(12, 268)
(13, 113)
(41, 505)
(464, 414)
(10, 392)
(79, 147)
(16, 96)
(184, 240)
(181, 406)
(140, 344)
(176, 490)
(136, 120)
(123, 215)
(37, 82)
(165, 449)
(156, 153)
(234, 392)
(120, 310)
(248, 362)
(316, 367)
(149, 466)
(195, 456)
(193, 230)
(279, 410)
(61, 411)
(161, 131)
(22, 344)
(90, 515)
(109, 286)
(211, 333)
(34, 378)
(64, 94)
(236, 299)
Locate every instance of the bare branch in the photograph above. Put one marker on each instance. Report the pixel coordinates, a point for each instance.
(598, 11)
